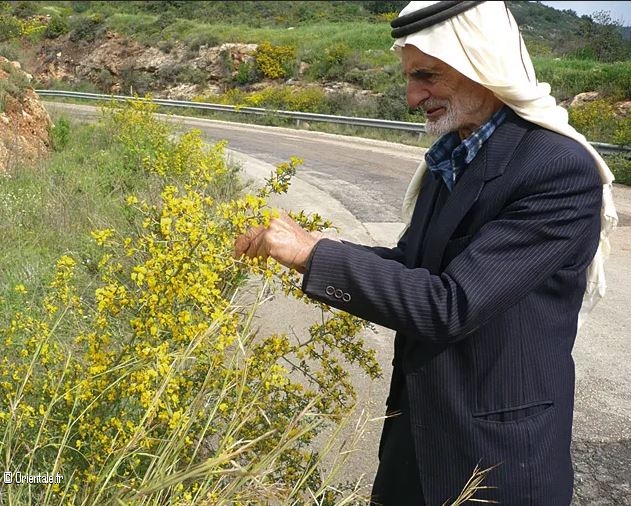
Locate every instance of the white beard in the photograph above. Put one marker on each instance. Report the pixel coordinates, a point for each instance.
(455, 116)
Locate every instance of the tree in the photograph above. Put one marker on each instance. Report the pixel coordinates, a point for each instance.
(603, 38)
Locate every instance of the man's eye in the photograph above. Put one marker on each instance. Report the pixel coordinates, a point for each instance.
(420, 74)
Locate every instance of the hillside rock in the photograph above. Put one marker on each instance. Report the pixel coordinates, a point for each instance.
(621, 109)
(224, 60)
(624, 109)
(583, 98)
(116, 64)
(24, 123)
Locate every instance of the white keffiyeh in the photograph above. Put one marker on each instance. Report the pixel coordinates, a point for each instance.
(484, 44)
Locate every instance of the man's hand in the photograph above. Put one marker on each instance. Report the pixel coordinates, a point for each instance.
(284, 240)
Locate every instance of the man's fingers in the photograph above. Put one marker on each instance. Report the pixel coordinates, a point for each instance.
(286, 218)
(257, 246)
(240, 245)
(284, 240)
(243, 242)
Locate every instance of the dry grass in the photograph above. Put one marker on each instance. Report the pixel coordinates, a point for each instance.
(472, 486)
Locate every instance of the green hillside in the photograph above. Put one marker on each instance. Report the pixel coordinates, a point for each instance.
(303, 47)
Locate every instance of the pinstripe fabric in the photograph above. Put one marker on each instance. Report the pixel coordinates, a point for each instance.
(486, 314)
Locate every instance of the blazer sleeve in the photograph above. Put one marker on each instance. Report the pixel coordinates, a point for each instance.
(551, 217)
(397, 253)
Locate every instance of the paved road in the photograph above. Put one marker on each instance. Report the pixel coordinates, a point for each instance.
(358, 183)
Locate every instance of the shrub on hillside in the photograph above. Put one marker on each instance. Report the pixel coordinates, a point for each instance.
(622, 134)
(275, 62)
(311, 99)
(287, 98)
(176, 73)
(596, 120)
(80, 6)
(86, 28)
(602, 38)
(246, 73)
(10, 50)
(620, 165)
(56, 27)
(135, 81)
(10, 27)
(337, 60)
(60, 134)
(24, 9)
(13, 86)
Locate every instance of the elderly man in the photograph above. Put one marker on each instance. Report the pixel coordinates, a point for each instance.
(508, 219)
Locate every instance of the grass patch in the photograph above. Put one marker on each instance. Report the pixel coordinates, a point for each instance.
(569, 77)
(620, 165)
(49, 209)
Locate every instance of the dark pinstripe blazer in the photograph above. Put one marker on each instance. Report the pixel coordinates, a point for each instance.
(485, 314)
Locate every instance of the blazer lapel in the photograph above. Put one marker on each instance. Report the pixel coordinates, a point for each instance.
(463, 196)
(489, 163)
(421, 217)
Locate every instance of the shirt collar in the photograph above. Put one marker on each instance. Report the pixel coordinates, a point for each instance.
(449, 156)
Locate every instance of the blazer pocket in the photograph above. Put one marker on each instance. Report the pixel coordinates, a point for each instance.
(514, 413)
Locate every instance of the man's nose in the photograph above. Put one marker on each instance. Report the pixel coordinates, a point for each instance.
(416, 95)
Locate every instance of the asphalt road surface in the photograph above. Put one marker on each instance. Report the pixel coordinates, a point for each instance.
(359, 184)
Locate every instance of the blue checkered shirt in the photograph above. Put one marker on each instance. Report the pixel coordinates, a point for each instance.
(449, 156)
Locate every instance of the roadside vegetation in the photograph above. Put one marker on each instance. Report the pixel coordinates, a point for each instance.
(131, 366)
(339, 41)
(13, 84)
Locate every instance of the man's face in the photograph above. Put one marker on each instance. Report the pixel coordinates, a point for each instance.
(450, 100)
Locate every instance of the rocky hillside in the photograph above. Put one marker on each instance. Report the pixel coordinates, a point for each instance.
(24, 123)
(116, 64)
(113, 63)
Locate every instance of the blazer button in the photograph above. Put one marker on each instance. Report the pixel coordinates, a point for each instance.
(330, 290)
(338, 293)
(346, 297)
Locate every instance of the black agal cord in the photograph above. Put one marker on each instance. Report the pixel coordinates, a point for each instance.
(429, 16)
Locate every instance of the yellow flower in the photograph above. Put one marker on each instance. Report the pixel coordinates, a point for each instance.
(20, 288)
(101, 236)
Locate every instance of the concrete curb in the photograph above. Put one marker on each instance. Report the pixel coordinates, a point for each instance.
(304, 196)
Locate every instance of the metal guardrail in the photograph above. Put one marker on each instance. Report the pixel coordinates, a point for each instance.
(601, 147)
(306, 116)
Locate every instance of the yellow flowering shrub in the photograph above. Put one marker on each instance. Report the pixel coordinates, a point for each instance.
(594, 119)
(151, 386)
(281, 97)
(12, 27)
(274, 62)
(32, 26)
